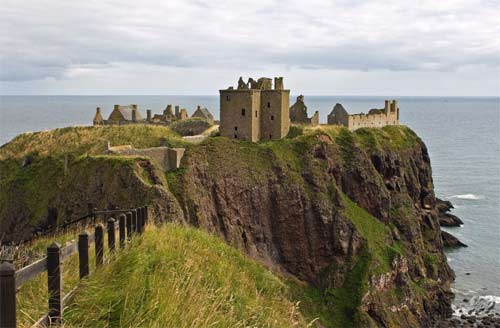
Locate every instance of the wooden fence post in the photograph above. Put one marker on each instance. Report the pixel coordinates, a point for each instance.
(111, 234)
(144, 218)
(134, 220)
(140, 219)
(99, 245)
(129, 225)
(7, 295)
(83, 254)
(54, 279)
(94, 215)
(121, 226)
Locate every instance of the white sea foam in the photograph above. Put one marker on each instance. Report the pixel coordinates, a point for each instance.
(467, 196)
(477, 305)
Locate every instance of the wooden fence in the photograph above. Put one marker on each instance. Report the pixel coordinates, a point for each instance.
(130, 221)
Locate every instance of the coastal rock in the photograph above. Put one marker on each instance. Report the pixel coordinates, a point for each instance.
(443, 206)
(449, 220)
(451, 241)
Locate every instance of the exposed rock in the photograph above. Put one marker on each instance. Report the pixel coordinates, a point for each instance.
(443, 205)
(451, 241)
(295, 221)
(449, 220)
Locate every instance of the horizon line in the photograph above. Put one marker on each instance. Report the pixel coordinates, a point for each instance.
(216, 95)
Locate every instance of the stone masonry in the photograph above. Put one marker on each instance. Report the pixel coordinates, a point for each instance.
(167, 158)
(298, 113)
(255, 110)
(376, 118)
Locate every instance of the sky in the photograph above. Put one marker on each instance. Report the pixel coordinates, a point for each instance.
(183, 47)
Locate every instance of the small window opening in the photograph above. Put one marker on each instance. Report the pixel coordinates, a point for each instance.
(243, 112)
(235, 136)
(272, 117)
(268, 104)
(270, 136)
(256, 115)
(235, 128)
(227, 98)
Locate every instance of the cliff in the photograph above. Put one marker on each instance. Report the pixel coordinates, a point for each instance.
(353, 214)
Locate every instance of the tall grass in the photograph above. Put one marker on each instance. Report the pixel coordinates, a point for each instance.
(176, 276)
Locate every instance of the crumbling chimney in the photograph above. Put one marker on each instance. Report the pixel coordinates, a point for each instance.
(116, 107)
(278, 83)
(387, 106)
(394, 106)
(177, 111)
(198, 107)
(98, 110)
(148, 115)
(134, 114)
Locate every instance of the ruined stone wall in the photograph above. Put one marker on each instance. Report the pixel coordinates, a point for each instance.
(275, 119)
(315, 119)
(167, 158)
(338, 116)
(389, 115)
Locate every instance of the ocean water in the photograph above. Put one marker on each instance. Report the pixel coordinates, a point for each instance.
(462, 135)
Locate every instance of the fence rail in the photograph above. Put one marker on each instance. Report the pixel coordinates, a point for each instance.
(130, 222)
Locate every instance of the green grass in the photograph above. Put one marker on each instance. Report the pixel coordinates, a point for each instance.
(90, 140)
(32, 297)
(190, 127)
(377, 235)
(174, 276)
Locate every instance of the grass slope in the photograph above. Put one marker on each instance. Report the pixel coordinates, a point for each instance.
(176, 276)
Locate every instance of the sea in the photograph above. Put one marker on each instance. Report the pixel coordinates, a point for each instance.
(461, 133)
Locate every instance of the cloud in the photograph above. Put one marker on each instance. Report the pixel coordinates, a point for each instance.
(49, 39)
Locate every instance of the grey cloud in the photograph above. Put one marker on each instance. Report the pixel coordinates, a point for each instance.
(50, 40)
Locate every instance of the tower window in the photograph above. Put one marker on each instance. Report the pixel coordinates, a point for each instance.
(235, 136)
(227, 98)
(272, 117)
(256, 115)
(268, 104)
(243, 112)
(235, 128)
(270, 136)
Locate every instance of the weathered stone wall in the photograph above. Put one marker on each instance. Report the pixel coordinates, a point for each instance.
(167, 158)
(240, 114)
(275, 119)
(376, 118)
(338, 116)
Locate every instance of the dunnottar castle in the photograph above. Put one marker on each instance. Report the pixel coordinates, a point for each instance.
(256, 110)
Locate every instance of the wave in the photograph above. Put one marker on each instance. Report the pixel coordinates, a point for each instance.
(477, 305)
(467, 196)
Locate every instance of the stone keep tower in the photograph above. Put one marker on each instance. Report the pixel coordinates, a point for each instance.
(255, 110)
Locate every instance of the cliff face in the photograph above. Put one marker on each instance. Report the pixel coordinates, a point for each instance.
(38, 196)
(343, 211)
(351, 213)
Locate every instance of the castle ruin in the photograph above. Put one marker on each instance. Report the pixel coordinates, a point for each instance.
(298, 113)
(130, 114)
(376, 118)
(255, 110)
(167, 158)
